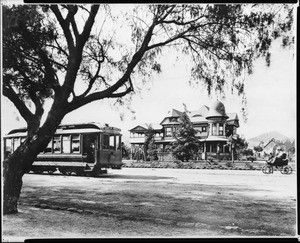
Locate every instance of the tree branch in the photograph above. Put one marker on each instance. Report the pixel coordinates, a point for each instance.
(32, 93)
(75, 104)
(91, 83)
(13, 97)
(65, 26)
(88, 26)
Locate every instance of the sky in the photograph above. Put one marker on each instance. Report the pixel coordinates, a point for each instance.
(270, 93)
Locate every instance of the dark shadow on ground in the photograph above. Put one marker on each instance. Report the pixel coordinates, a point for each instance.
(114, 176)
(134, 177)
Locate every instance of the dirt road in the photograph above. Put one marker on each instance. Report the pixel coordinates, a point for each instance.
(135, 202)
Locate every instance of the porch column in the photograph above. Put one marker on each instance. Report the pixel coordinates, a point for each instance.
(204, 151)
(218, 129)
(210, 129)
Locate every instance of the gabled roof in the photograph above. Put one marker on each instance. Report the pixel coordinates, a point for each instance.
(145, 126)
(174, 113)
(198, 119)
(203, 111)
(138, 128)
(270, 146)
(233, 119)
(232, 116)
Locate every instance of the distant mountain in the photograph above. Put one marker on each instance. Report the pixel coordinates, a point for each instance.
(266, 137)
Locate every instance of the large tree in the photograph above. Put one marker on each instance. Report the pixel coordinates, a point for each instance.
(74, 55)
(149, 136)
(186, 145)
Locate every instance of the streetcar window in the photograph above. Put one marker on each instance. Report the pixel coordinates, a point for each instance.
(112, 142)
(75, 144)
(16, 143)
(89, 145)
(49, 147)
(8, 147)
(56, 144)
(66, 144)
(118, 142)
(105, 141)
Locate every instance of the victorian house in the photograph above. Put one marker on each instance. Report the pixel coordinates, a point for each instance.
(213, 125)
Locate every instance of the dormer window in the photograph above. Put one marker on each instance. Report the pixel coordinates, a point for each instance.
(173, 119)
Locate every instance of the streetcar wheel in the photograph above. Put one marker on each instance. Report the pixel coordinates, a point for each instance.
(50, 172)
(69, 172)
(62, 171)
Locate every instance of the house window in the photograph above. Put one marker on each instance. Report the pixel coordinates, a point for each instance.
(221, 129)
(168, 132)
(198, 130)
(234, 130)
(203, 129)
(214, 129)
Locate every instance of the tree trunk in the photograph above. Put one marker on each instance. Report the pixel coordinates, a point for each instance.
(12, 184)
(16, 165)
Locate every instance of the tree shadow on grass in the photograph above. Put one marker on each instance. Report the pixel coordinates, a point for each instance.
(135, 177)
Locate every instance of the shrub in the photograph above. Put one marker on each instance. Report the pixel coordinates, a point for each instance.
(179, 164)
(249, 166)
(229, 164)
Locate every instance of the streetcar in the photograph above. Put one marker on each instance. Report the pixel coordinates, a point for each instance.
(83, 149)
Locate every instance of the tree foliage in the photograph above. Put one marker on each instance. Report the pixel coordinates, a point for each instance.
(258, 149)
(149, 137)
(287, 145)
(152, 150)
(237, 144)
(186, 144)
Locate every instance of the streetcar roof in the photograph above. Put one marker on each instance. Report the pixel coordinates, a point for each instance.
(71, 129)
